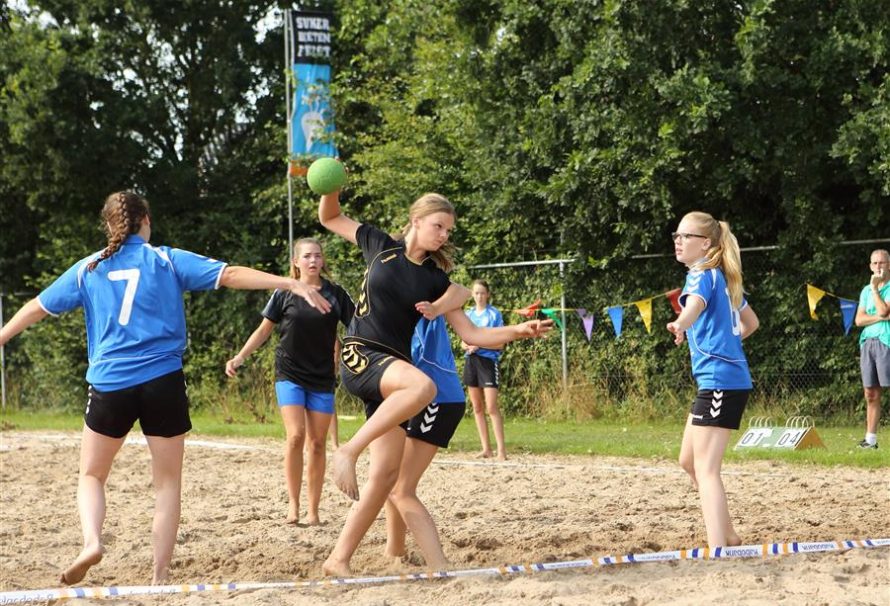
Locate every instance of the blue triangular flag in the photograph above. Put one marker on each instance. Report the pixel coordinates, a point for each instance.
(616, 314)
(848, 310)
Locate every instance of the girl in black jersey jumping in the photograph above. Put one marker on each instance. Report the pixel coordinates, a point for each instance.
(304, 376)
(402, 277)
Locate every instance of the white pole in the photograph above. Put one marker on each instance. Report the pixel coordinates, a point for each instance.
(288, 65)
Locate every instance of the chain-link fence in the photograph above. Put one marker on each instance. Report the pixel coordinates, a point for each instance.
(799, 365)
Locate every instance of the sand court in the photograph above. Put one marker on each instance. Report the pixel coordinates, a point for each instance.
(532, 508)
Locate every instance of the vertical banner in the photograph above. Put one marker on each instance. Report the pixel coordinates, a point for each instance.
(312, 121)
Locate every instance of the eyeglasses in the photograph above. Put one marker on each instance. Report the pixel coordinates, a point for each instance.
(678, 234)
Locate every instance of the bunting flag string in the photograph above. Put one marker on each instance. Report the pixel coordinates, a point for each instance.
(616, 312)
(848, 306)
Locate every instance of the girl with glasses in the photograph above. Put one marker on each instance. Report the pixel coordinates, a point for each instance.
(714, 320)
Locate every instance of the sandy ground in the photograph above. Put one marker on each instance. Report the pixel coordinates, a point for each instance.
(529, 509)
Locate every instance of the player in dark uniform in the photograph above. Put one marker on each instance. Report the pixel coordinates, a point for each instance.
(404, 279)
(304, 371)
(135, 361)
(715, 319)
(433, 427)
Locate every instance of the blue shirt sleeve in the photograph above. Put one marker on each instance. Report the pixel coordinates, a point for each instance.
(194, 271)
(64, 293)
(700, 284)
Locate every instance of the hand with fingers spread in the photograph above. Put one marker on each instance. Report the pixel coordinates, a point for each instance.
(311, 295)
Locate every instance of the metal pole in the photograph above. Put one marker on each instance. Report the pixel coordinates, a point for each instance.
(288, 63)
(2, 357)
(565, 358)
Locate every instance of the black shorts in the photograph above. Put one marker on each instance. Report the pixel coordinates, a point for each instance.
(719, 408)
(361, 370)
(481, 372)
(437, 423)
(161, 406)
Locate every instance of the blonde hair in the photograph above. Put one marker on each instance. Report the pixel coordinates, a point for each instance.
(295, 272)
(430, 204)
(122, 215)
(724, 253)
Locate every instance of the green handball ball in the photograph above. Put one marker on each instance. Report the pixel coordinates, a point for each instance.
(325, 176)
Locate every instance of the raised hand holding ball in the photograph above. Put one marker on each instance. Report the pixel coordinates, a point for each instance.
(325, 176)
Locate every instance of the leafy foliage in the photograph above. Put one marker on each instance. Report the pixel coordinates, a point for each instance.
(581, 128)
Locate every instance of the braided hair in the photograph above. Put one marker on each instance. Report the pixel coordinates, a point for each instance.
(122, 216)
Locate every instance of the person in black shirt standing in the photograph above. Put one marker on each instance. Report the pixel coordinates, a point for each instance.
(304, 371)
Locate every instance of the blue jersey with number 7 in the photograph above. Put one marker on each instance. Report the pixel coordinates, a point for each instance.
(133, 307)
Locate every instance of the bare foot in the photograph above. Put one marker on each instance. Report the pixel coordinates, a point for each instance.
(733, 540)
(161, 578)
(312, 520)
(335, 568)
(343, 470)
(485, 454)
(293, 513)
(502, 456)
(90, 556)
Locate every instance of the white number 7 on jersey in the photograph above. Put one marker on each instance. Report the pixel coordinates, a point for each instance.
(132, 278)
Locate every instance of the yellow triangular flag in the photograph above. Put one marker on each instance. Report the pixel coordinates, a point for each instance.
(814, 295)
(645, 307)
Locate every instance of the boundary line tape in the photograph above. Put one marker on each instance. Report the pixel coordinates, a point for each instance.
(698, 553)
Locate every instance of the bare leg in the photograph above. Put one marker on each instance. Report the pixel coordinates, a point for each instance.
(481, 424)
(406, 391)
(872, 409)
(334, 432)
(317, 428)
(166, 471)
(294, 418)
(687, 460)
(497, 421)
(396, 531)
(709, 444)
(417, 458)
(97, 452)
(386, 456)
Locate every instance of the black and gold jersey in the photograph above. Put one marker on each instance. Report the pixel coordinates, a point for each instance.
(385, 316)
(305, 353)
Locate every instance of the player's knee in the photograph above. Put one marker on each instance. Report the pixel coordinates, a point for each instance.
(687, 464)
(295, 440)
(315, 446)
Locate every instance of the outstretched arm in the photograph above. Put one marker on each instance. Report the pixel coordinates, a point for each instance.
(453, 298)
(254, 342)
(493, 338)
(246, 278)
(330, 216)
(691, 311)
(30, 313)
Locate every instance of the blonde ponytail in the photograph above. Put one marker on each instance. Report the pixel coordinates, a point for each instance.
(724, 253)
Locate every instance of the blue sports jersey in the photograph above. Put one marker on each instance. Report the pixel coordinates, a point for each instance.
(715, 340)
(133, 307)
(431, 353)
(487, 318)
